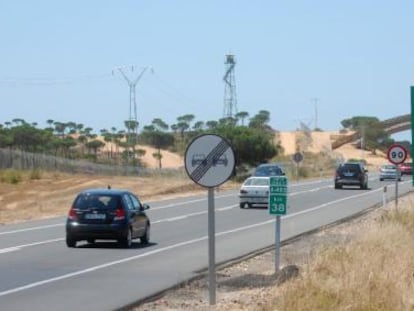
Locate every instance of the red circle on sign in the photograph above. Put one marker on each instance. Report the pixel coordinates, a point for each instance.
(397, 154)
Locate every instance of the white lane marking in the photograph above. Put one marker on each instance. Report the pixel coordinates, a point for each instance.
(9, 250)
(330, 203)
(31, 229)
(19, 247)
(113, 263)
(99, 267)
(157, 208)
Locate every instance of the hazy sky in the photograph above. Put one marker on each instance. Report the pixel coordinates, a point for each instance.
(58, 60)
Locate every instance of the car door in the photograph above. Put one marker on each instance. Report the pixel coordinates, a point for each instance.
(140, 218)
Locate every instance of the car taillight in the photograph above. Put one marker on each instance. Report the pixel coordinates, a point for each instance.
(72, 214)
(119, 214)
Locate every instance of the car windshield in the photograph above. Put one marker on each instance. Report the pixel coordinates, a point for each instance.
(389, 167)
(271, 170)
(87, 201)
(257, 182)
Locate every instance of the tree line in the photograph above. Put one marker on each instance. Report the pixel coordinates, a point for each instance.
(251, 138)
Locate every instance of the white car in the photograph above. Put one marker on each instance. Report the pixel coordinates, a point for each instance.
(389, 171)
(254, 191)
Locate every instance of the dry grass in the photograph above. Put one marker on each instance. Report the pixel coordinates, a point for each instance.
(373, 272)
(45, 194)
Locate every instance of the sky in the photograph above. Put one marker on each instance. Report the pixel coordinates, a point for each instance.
(311, 62)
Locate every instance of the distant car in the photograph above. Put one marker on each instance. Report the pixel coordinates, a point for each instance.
(351, 174)
(107, 214)
(254, 191)
(268, 169)
(389, 171)
(406, 168)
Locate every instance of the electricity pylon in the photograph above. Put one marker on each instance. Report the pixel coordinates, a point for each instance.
(132, 123)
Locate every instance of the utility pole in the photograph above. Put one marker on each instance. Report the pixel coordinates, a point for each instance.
(132, 124)
(315, 104)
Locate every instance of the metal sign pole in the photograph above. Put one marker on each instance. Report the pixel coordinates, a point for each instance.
(277, 244)
(396, 192)
(211, 248)
(210, 161)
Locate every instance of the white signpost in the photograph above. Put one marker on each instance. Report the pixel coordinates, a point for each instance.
(209, 162)
(396, 155)
(278, 193)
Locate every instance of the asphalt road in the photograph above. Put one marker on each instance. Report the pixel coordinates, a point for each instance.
(38, 271)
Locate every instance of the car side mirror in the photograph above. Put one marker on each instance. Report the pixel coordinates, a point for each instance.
(144, 207)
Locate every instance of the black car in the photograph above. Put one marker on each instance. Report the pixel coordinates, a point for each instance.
(351, 174)
(268, 169)
(108, 214)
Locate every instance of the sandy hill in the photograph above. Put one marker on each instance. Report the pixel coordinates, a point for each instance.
(316, 142)
(291, 142)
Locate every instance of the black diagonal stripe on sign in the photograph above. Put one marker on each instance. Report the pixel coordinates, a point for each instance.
(203, 167)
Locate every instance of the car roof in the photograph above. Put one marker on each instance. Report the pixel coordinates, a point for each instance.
(104, 191)
(269, 164)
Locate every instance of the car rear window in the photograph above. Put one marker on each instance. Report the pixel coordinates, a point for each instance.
(257, 182)
(354, 168)
(87, 201)
(268, 171)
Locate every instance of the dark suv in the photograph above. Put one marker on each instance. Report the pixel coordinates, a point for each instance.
(351, 174)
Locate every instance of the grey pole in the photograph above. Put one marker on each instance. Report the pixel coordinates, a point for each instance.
(396, 192)
(211, 248)
(277, 244)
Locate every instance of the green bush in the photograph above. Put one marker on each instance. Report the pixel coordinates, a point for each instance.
(11, 176)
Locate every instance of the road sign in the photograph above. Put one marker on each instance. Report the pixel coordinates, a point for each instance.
(297, 157)
(209, 160)
(396, 154)
(278, 195)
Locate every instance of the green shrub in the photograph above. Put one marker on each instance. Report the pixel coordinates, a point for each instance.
(11, 176)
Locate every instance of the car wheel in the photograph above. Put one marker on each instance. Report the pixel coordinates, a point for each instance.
(90, 241)
(70, 242)
(337, 186)
(381, 179)
(242, 205)
(145, 239)
(127, 241)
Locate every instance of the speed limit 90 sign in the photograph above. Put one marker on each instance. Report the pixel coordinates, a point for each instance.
(396, 154)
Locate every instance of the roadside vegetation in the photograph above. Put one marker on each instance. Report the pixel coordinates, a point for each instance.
(373, 271)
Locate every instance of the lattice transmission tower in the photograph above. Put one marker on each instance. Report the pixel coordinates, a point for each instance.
(230, 97)
(132, 124)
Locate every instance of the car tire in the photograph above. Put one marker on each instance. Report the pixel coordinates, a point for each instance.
(70, 242)
(146, 237)
(337, 186)
(127, 241)
(242, 205)
(91, 241)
